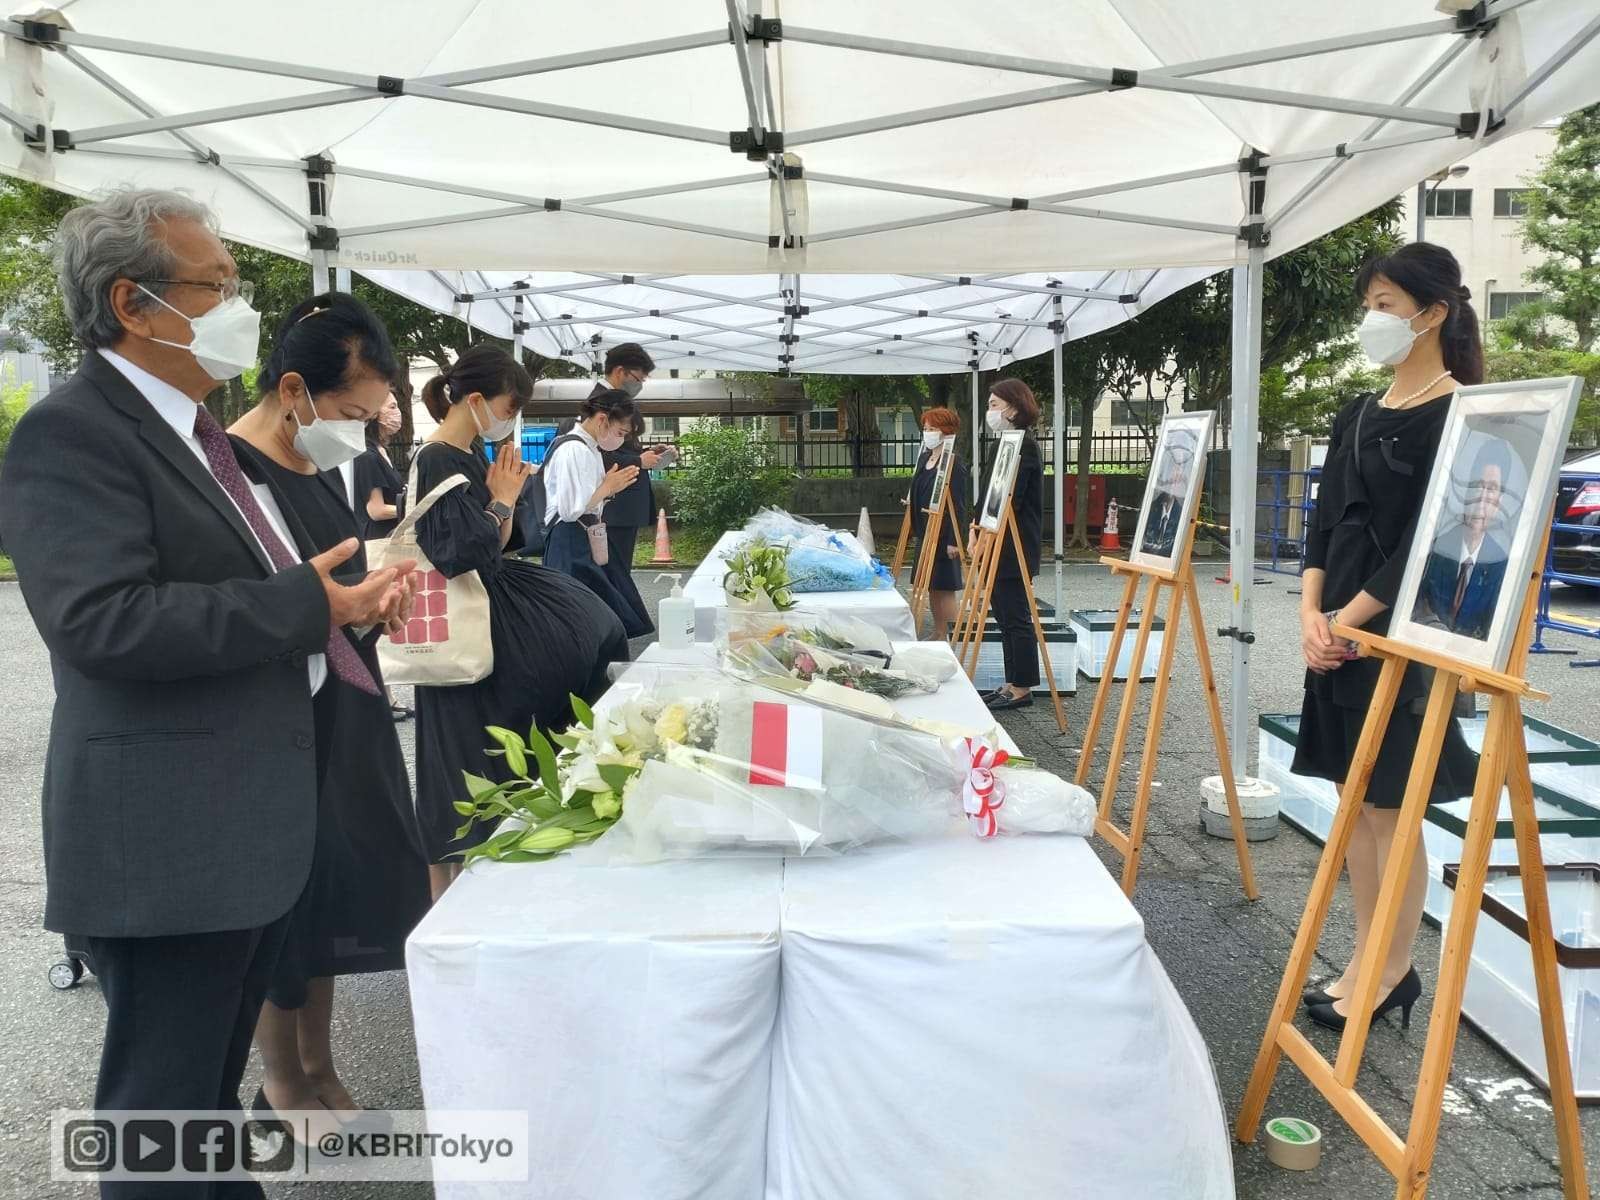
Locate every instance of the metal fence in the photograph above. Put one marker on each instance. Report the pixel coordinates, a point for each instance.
(1281, 521)
(843, 455)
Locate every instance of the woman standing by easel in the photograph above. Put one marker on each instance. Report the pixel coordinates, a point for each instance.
(1012, 406)
(1380, 453)
(944, 582)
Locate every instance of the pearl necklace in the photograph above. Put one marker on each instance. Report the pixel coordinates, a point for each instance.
(1405, 400)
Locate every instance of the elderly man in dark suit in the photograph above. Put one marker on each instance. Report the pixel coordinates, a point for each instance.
(186, 639)
(1172, 488)
(1467, 563)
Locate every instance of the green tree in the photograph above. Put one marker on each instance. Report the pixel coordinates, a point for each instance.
(1563, 221)
(13, 403)
(30, 302)
(728, 473)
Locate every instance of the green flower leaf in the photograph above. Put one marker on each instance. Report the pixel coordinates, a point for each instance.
(582, 711)
(545, 753)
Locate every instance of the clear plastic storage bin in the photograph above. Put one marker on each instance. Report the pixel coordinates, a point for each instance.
(1094, 626)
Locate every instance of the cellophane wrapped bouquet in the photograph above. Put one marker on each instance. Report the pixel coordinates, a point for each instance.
(793, 649)
(686, 763)
(818, 559)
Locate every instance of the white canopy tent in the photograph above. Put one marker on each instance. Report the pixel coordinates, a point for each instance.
(794, 137)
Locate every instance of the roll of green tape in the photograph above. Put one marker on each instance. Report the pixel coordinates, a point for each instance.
(1293, 1144)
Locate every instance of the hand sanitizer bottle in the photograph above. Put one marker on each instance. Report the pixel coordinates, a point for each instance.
(675, 616)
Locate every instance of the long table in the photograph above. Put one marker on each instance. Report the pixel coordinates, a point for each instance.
(948, 1018)
(884, 607)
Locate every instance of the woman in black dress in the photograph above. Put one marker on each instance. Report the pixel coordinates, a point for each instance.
(1012, 406)
(553, 638)
(328, 373)
(1374, 483)
(944, 582)
(378, 485)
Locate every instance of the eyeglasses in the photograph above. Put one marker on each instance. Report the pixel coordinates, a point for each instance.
(227, 289)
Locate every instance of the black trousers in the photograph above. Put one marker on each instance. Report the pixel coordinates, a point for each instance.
(1009, 604)
(180, 1014)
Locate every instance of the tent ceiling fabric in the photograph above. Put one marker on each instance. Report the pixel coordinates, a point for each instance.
(842, 324)
(922, 136)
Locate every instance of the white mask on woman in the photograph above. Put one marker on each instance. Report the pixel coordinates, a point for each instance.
(496, 431)
(997, 420)
(931, 439)
(612, 440)
(1386, 338)
(328, 444)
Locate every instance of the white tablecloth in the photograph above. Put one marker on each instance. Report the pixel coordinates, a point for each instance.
(950, 1018)
(885, 608)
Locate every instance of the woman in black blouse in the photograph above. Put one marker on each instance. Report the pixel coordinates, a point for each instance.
(378, 485)
(1012, 406)
(1380, 454)
(553, 638)
(944, 581)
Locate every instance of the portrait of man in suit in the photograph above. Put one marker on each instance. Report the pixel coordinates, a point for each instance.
(1170, 492)
(1000, 480)
(1467, 561)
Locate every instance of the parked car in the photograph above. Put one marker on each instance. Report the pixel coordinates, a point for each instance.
(1578, 503)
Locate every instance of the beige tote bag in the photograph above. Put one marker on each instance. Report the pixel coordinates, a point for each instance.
(446, 642)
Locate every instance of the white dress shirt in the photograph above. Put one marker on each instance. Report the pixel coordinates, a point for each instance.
(571, 477)
(178, 411)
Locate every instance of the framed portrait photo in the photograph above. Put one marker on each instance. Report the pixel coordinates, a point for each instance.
(941, 474)
(1001, 480)
(1172, 489)
(1484, 519)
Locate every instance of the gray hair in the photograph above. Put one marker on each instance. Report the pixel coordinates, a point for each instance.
(118, 237)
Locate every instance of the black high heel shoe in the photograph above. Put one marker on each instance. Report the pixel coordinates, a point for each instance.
(1316, 996)
(1403, 996)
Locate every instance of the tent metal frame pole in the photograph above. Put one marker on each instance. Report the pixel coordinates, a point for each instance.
(459, 189)
(1366, 139)
(977, 438)
(1013, 287)
(16, 120)
(492, 214)
(1162, 79)
(1248, 280)
(519, 327)
(999, 205)
(1550, 66)
(1058, 440)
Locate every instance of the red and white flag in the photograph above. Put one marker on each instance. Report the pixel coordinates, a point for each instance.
(786, 745)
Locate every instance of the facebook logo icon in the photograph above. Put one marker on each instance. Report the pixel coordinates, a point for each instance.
(209, 1146)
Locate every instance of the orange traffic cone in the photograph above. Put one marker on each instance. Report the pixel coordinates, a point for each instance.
(1108, 533)
(663, 541)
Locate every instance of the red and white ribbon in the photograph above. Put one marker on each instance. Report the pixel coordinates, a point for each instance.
(982, 794)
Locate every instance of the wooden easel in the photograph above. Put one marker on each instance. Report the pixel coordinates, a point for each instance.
(905, 540)
(966, 638)
(928, 552)
(1503, 762)
(1130, 843)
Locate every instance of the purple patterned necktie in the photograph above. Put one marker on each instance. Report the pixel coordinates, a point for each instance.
(342, 656)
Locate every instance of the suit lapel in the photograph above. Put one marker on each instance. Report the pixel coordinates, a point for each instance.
(164, 440)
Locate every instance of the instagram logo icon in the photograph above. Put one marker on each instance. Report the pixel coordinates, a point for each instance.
(89, 1145)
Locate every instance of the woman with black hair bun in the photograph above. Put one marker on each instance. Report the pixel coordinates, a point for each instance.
(327, 375)
(552, 637)
(578, 485)
(1381, 450)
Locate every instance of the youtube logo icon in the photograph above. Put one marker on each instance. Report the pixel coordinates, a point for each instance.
(148, 1146)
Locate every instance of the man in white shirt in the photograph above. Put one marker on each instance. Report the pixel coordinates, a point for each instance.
(1467, 564)
(179, 803)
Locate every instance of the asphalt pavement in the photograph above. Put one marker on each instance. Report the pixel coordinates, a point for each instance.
(1224, 955)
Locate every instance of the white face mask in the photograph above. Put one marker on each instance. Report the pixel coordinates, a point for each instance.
(611, 441)
(932, 439)
(328, 444)
(997, 420)
(225, 340)
(1386, 338)
(495, 431)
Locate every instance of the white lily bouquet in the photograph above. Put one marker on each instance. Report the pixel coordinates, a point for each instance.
(690, 763)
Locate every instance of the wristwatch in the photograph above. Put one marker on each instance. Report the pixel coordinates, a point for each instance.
(499, 511)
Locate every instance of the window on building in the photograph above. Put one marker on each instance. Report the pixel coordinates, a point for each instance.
(823, 420)
(663, 426)
(1510, 202)
(1449, 202)
(1137, 412)
(1501, 304)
